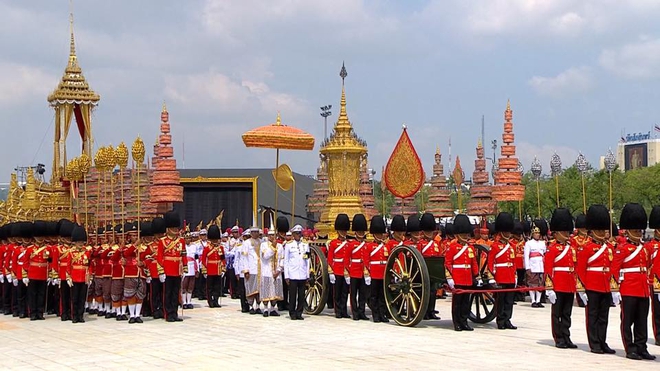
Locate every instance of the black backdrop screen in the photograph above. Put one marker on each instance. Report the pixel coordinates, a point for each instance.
(204, 202)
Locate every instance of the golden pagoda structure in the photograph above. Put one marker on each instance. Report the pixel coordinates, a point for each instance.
(72, 100)
(344, 152)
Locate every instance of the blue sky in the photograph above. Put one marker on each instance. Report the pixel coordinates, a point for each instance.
(577, 74)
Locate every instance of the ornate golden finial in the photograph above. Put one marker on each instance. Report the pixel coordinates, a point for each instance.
(479, 145)
(72, 46)
(138, 150)
(164, 107)
(508, 105)
(278, 122)
(437, 150)
(121, 154)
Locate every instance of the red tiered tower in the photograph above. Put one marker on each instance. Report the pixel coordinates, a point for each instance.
(481, 203)
(508, 178)
(439, 204)
(366, 190)
(166, 179)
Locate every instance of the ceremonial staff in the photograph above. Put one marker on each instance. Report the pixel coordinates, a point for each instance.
(537, 169)
(98, 164)
(555, 168)
(582, 166)
(138, 151)
(85, 163)
(610, 165)
(121, 157)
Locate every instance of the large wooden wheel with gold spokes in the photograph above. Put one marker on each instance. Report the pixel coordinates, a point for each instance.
(482, 304)
(316, 292)
(406, 285)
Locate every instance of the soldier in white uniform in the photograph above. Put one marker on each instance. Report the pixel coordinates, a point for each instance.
(192, 261)
(533, 255)
(296, 271)
(240, 254)
(270, 283)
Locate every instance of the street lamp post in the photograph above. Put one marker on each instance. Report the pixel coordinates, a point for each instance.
(325, 112)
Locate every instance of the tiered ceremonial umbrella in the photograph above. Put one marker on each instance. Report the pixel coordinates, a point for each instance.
(279, 136)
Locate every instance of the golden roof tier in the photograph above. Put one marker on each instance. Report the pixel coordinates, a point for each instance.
(508, 178)
(344, 152)
(481, 202)
(439, 203)
(166, 186)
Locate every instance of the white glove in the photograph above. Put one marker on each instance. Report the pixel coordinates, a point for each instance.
(49, 280)
(332, 278)
(15, 282)
(148, 280)
(491, 281)
(616, 298)
(26, 281)
(552, 296)
(161, 278)
(367, 280)
(9, 277)
(480, 282)
(2, 278)
(348, 279)
(56, 282)
(69, 282)
(658, 297)
(205, 275)
(450, 282)
(583, 296)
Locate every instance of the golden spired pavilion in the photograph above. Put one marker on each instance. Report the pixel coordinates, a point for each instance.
(343, 152)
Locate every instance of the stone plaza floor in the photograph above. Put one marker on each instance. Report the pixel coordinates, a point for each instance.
(225, 338)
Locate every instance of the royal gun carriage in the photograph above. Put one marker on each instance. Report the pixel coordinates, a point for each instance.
(409, 280)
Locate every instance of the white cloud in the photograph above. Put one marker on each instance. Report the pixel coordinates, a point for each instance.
(573, 80)
(20, 82)
(220, 93)
(639, 60)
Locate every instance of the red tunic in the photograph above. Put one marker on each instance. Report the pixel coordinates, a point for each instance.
(559, 266)
(213, 259)
(9, 253)
(629, 268)
(337, 251)
(97, 259)
(428, 248)
(79, 269)
(3, 249)
(593, 266)
(169, 255)
(654, 272)
(37, 266)
(501, 262)
(18, 261)
(520, 254)
(354, 260)
(154, 268)
(130, 255)
(461, 263)
(106, 261)
(115, 256)
(375, 258)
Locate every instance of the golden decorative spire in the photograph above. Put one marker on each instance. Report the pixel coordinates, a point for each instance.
(508, 105)
(437, 150)
(164, 107)
(73, 87)
(343, 127)
(278, 122)
(479, 145)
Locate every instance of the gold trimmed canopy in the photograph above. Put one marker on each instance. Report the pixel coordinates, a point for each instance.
(279, 136)
(73, 88)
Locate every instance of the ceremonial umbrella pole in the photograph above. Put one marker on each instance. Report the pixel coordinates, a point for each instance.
(536, 171)
(581, 165)
(610, 165)
(121, 157)
(278, 136)
(85, 163)
(100, 173)
(71, 169)
(138, 151)
(555, 168)
(111, 161)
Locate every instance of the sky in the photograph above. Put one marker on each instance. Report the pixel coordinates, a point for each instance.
(577, 74)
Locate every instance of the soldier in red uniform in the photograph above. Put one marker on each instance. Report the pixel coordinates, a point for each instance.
(213, 266)
(355, 268)
(593, 270)
(518, 240)
(3, 249)
(38, 257)
(462, 271)
(171, 249)
(398, 229)
(559, 267)
(98, 272)
(135, 258)
(19, 268)
(79, 274)
(375, 258)
(653, 248)
(117, 283)
(61, 259)
(156, 290)
(337, 252)
(52, 293)
(501, 266)
(429, 248)
(8, 302)
(629, 267)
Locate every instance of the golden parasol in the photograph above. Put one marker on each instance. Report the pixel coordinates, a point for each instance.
(279, 136)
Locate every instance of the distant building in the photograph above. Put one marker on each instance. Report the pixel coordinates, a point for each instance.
(637, 150)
